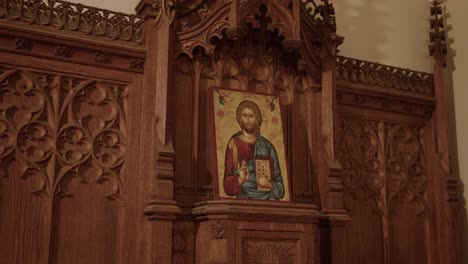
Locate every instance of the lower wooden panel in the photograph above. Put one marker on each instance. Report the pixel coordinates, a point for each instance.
(364, 233)
(270, 247)
(85, 226)
(408, 240)
(24, 221)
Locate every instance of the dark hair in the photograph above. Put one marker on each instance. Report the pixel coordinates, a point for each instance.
(251, 105)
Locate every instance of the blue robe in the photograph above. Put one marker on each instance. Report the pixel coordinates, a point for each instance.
(248, 190)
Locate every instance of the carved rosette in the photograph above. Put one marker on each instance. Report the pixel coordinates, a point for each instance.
(218, 229)
(54, 128)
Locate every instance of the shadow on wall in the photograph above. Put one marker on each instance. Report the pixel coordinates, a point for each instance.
(452, 131)
(362, 24)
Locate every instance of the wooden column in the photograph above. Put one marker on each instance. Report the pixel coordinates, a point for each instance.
(157, 149)
(334, 216)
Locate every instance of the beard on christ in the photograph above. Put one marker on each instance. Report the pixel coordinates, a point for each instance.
(249, 127)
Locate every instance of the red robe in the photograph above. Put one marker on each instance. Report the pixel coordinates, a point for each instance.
(245, 151)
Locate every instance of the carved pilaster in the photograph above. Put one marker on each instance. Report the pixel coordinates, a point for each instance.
(159, 16)
(157, 140)
(324, 15)
(447, 191)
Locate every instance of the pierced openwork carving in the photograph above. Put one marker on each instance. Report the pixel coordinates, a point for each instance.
(64, 127)
(193, 13)
(270, 252)
(323, 12)
(403, 80)
(272, 16)
(200, 22)
(74, 17)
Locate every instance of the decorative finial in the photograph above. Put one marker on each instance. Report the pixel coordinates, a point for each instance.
(438, 45)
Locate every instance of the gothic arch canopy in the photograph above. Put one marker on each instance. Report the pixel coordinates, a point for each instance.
(303, 26)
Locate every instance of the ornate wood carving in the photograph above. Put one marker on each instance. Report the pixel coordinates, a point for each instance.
(438, 45)
(102, 57)
(401, 80)
(201, 22)
(62, 51)
(218, 229)
(270, 252)
(65, 127)
(405, 166)
(76, 18)
(384, 173)
(383, 158)
(23, 44)
(361, 155)
(197, 29)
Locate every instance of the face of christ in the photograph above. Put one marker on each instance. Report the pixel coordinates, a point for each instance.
(248, 121)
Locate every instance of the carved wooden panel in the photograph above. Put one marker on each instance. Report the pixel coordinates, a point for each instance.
(270, 247)
(385, 180)
(62, 147)
(64, 127)
(406, 194)
(361, 154)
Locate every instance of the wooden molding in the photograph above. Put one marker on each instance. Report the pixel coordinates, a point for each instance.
(61, 48)
(237, 209)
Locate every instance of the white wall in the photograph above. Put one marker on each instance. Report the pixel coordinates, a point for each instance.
(389, 32)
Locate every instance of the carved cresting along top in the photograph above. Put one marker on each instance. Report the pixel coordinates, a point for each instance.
(398, 79)
(84, 20)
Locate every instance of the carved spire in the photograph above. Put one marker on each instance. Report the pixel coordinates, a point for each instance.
(324, 15)
(159, 10)
(438, 45)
